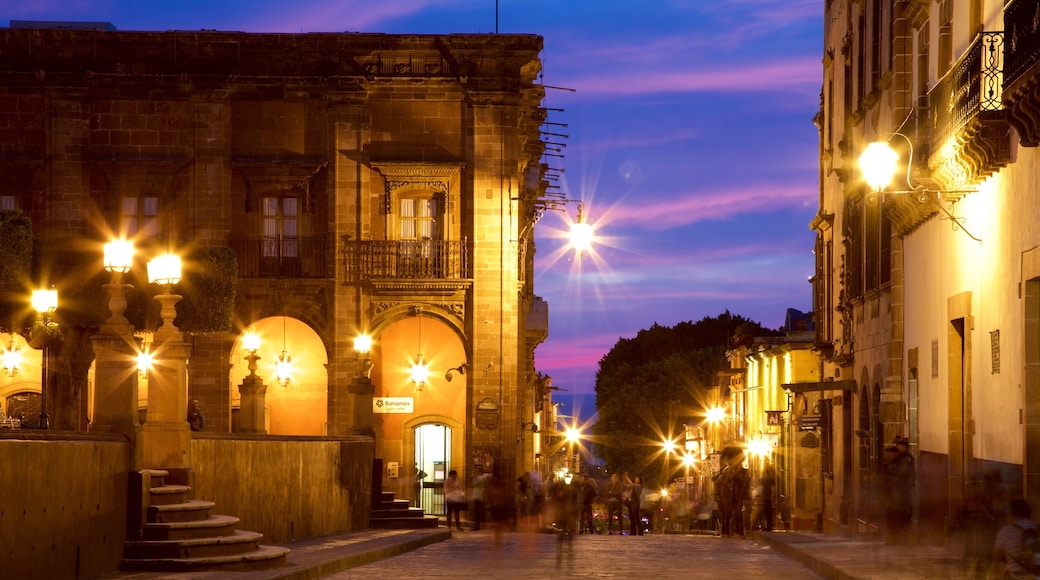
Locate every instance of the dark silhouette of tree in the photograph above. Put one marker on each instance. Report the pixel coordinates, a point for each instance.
(649, 386)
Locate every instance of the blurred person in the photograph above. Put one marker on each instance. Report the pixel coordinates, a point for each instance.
(731, 489)
(899, 482)
(523, 499)
(567, 504)
(588, 492)
(455, 498)
(537, 496)
(613, 492)
(635, 495)
(1016, 542)
(762, 501)
(499, 502)
(981, 515)
(477, 495)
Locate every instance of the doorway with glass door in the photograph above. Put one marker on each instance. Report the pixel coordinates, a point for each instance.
(432, 463)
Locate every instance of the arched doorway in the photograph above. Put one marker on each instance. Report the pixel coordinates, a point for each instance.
(300, 405)
(433, 461)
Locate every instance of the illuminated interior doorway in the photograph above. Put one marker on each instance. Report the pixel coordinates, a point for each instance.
(433, 461)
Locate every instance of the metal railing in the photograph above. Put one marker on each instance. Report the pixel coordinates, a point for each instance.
(405, 259)
(972, 86)
(281, 258)
(1022, 24)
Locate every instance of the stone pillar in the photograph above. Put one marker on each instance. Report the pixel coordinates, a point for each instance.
(166, 435)
(361, 390)
(252, 413)
(115, 374)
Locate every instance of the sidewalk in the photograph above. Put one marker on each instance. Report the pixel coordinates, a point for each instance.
(833, 556)
(863, 557)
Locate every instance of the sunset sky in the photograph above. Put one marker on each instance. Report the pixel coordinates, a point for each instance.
(689, 137)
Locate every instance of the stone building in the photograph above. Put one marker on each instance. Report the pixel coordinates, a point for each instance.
(372, 184)
(925, 291)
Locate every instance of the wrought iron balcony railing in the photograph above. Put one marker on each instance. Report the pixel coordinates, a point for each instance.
(281, 258)
(971, 87)
(1021, 23)
(405, 259)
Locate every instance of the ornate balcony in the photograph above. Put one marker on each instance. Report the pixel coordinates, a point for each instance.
(1021, 73)
(281, 258)
(410, 262)
(970, 134)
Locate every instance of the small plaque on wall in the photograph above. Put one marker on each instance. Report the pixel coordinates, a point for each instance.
(487, 415)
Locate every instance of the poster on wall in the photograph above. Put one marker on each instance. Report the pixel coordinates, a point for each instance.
(482, 459)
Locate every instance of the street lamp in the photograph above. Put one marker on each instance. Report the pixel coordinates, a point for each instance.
(251, 418)
(165, 270)
(119, 258)
(572, 435)
(879, 163)
(45, 302)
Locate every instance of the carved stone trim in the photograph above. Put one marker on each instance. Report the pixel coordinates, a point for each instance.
(262, 176)
(406, 175)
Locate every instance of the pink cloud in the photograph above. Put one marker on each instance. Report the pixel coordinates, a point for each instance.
(795, 74)
(672, 211)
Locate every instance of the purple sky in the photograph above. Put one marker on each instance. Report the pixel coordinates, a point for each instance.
(690, 140)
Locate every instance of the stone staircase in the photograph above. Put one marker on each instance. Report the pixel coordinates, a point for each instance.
(388, 512)
(173, 533)
(391, 513)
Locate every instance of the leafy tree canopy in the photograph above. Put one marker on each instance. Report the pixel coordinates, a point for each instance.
(649, 386)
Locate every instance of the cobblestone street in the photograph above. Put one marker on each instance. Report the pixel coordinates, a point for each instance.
(527, 555)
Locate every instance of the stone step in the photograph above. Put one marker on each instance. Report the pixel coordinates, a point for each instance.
(403, 523)
(214, 525)
(397, 504)
(168, 494)
(186, 511)
(398, 513)
(263, 558)
(239, 543)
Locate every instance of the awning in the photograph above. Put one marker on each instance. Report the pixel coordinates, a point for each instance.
(820, 386)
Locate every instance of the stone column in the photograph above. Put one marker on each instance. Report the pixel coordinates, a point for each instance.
(361, 390)
(115, 374)
(166, 435)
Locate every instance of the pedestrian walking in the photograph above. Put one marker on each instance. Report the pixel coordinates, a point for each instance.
(731, 489)
(613, 492)
(455, 498)
(634, 502)
(982, 514)
(479, 498)
(1016, 545)
(762, 513)
(898, 481)
(589, 490)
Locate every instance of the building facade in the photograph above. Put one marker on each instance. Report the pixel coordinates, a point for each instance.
(925, 293)
(372, 184)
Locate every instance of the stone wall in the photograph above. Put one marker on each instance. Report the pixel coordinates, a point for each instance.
(286, 488)
(62, 505)
(63, 496)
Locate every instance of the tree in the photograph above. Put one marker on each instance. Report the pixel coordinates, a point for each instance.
(648, 386)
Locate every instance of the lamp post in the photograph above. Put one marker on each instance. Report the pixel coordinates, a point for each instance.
(115, 356)
(573, 435)
(361, 389)
(879, 163)
(252, 416)
(166, 435)
(44, 302)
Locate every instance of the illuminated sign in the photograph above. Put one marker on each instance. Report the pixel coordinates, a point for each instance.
(393, 405)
